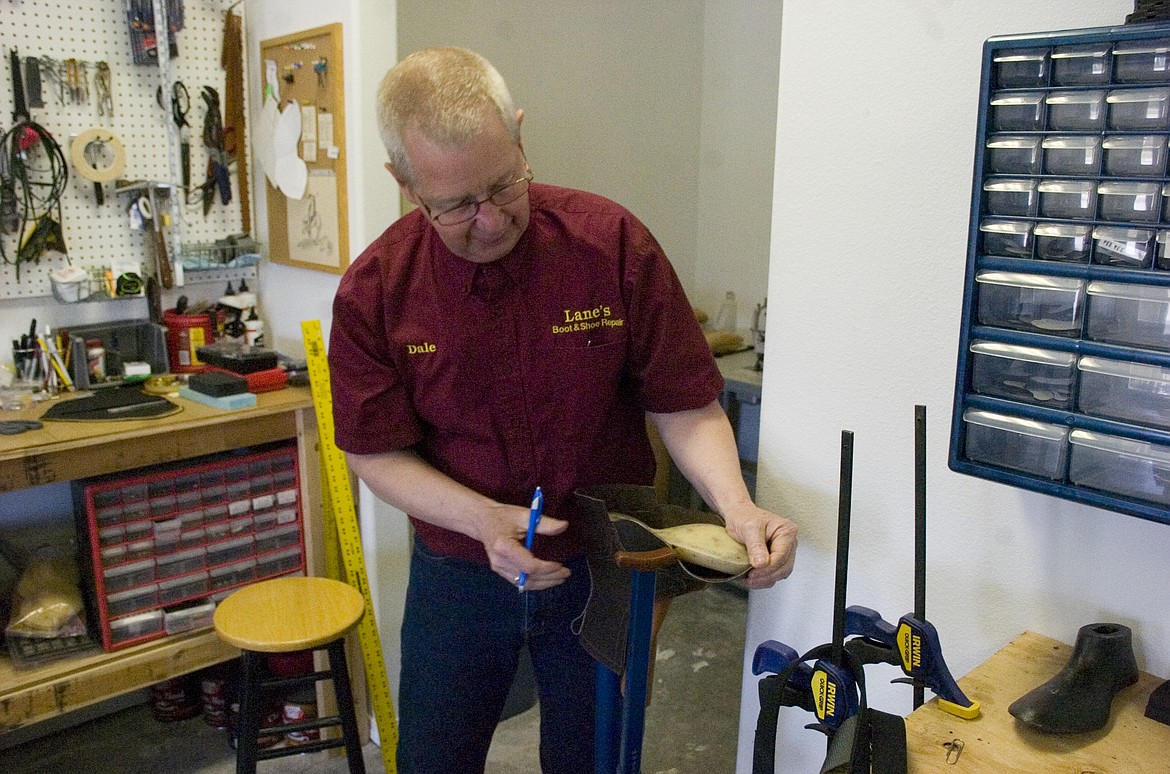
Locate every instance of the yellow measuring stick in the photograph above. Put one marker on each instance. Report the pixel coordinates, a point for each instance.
(339, 496)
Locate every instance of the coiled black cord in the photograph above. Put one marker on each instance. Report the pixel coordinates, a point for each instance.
(37, 188)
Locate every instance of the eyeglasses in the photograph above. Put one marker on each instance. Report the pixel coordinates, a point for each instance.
(461, 213)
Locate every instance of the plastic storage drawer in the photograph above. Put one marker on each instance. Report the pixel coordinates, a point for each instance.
(1137, 110)
(1142, 61)
(181, 562)
(132, 600)
(1130, 201)
(233, 574)
(1021, 68)
(1162, 250)
(1031, 302)
(1068, 199)
(1076, 155)
(1082, 64)
(1065, 242)
(1026, 445)
(1010, 154)
(1009, 238)
(1010, 196)
(189, 618)
(1134, 155)
(136, 627)
(1076, 110)
(278, 562)
(1026, 374)
(230, 550)
(279, 537)
(1131, 315)
(1119, 246)
(185, 587)
(1017, 111)
(1122, 466)
(128, 575)
(1131, 392)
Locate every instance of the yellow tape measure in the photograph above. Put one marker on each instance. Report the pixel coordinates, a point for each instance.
(339, 497)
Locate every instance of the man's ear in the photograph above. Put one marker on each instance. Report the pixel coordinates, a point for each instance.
(402, 186)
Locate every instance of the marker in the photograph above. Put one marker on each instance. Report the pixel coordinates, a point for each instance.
(533, 519)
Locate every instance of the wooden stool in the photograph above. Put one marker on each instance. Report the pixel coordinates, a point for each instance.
(280, 616)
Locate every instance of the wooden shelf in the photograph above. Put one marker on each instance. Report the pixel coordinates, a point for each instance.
(63, 451)
(997, 742)
(31, 695)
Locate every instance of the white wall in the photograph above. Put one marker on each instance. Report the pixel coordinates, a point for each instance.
(741, 55)
(667, 107)
(875, 143)
(290, 295)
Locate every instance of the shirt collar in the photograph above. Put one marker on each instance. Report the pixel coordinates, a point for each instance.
(458, 273)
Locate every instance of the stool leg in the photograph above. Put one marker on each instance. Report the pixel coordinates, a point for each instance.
(345, 708)
(251, 710)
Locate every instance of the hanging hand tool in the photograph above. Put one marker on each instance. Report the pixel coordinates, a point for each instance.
(148, 207)
(232, 61)
(914, 643)
(180, 106)
(217, 159)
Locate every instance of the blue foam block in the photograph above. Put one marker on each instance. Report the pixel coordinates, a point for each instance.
(227, 402)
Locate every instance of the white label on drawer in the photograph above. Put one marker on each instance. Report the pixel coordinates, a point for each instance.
(286, 515)
(1098, 67)
(1151, 312)
(1085, 200)
(1159, 63)
(1128, 249)
(1147, 157)
(262, 502)
(1142, 385)
(286, 497)
(239, 506)
(1153, 109)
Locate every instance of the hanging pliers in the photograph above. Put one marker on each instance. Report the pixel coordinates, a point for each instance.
(217, 158)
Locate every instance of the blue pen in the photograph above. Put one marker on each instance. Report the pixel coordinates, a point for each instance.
(533, 519)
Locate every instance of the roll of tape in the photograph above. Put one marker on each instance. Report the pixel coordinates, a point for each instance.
(85, 168)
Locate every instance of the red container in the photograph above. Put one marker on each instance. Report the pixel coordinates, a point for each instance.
(185, 334)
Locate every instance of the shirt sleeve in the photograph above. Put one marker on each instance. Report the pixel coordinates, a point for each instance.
(372, 412)
(669, 356)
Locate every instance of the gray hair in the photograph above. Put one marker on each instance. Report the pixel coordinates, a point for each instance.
(444, 93)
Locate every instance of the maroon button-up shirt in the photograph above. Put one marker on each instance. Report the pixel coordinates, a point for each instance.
(585, 327)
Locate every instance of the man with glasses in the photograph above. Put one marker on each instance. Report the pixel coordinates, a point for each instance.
(506, 335)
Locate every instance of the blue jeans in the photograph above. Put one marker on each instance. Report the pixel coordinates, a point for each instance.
(462, 632)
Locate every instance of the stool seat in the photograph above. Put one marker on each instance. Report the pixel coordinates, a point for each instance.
(288, 614)
(279, 616)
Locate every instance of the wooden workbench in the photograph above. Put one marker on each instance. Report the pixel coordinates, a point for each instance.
(62, 451)
(996, 742)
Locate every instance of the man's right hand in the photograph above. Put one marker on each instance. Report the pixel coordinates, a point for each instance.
(502, 532)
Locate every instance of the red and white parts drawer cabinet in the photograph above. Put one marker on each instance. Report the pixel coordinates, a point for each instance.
(167, 539)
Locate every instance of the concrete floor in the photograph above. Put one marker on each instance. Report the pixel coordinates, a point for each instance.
(691, 724)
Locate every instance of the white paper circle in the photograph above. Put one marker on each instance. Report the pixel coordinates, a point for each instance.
(292, 176)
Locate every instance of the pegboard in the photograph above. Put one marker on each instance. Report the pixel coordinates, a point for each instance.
(94, 31)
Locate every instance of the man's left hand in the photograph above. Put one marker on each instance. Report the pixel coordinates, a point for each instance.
(770, 540)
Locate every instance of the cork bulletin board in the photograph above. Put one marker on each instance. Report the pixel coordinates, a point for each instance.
(312, 231)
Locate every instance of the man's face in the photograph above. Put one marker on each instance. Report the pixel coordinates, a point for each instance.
(449, 177)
